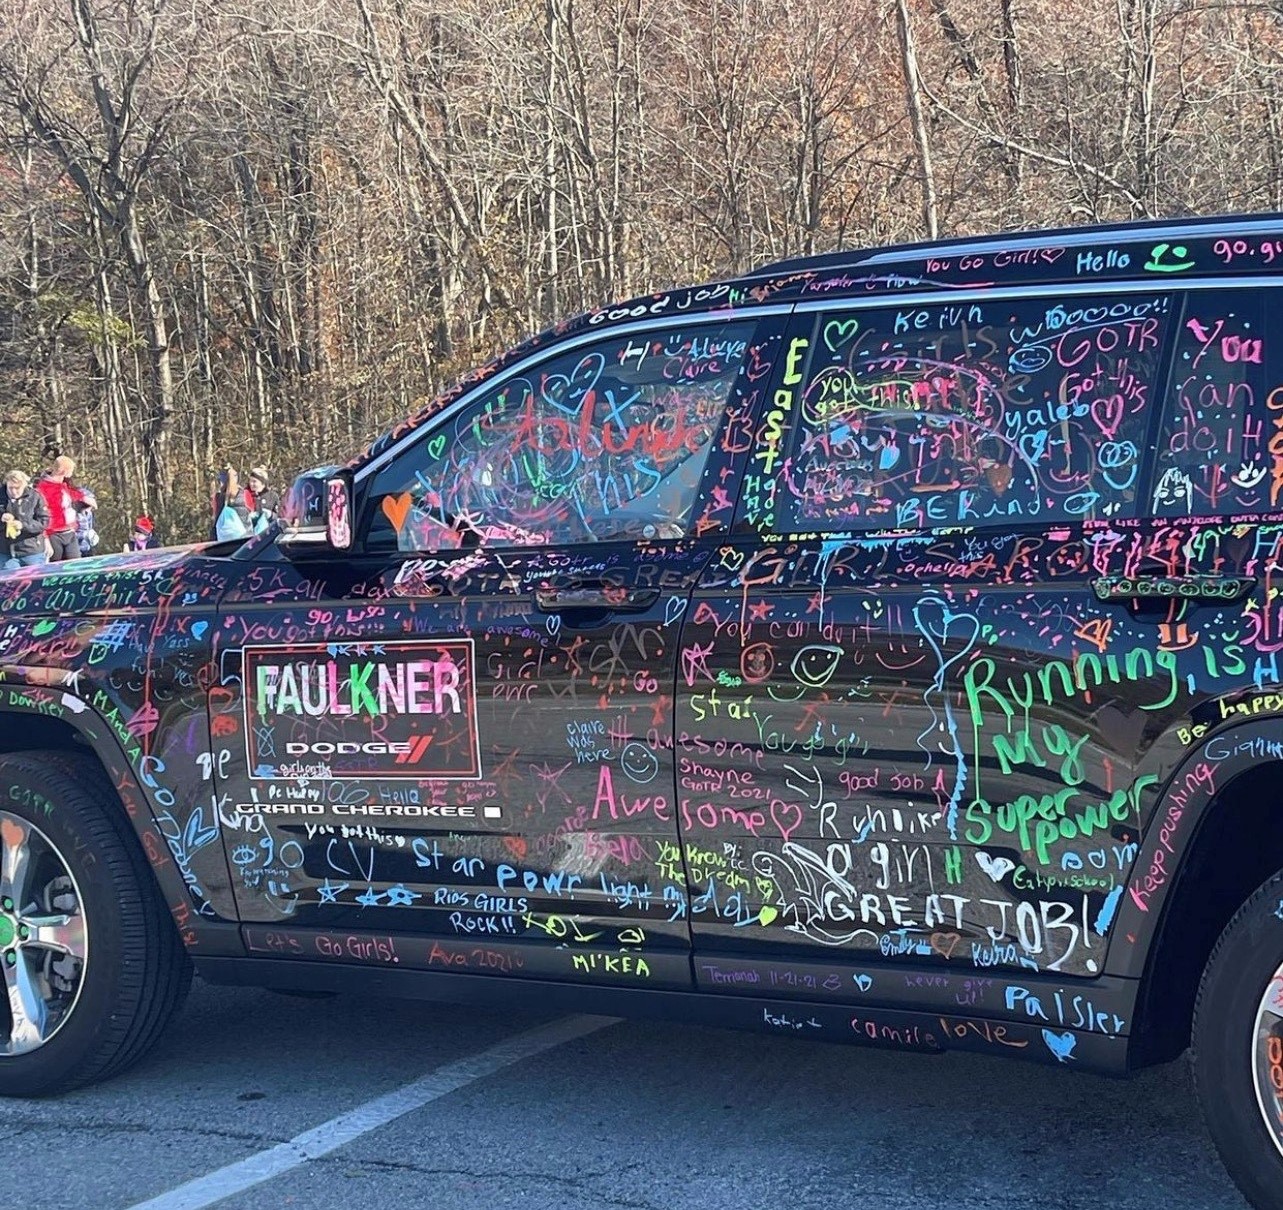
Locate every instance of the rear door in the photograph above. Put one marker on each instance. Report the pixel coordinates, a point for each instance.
(453, 749)
(909, 732)
(1202, 570)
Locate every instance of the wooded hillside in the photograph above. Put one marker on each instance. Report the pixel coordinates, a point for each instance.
(260, 230)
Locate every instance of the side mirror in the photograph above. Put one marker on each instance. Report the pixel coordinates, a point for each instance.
(338, 511)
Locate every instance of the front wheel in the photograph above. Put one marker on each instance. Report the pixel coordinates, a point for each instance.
(93, 966)
(1238, 1046)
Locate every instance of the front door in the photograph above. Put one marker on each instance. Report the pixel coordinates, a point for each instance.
(452, 749)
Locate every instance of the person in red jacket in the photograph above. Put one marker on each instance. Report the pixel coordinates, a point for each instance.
(64, 500)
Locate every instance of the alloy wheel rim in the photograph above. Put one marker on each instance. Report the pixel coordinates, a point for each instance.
(44, 938)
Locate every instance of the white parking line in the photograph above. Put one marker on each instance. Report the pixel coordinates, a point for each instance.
(337, 1132)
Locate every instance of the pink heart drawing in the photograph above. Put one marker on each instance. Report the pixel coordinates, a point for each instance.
(788, 810)
(1108, 414)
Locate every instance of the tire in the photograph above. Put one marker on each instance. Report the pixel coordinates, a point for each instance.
(87, 945)
(1239, 1011)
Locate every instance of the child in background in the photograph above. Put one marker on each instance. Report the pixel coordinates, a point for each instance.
(86, 522)
(267, 500)
(143, 537)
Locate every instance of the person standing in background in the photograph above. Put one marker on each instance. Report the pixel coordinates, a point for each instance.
(233, 507)
(86, 522)
(23, 518)
(267, 501)
(63, 497)
(142, 537)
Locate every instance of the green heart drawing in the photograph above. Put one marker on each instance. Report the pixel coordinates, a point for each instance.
(838, 332)
(436, 447)
(766, 915)
(43, 628)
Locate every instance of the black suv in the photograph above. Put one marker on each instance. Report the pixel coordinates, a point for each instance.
(883, 647)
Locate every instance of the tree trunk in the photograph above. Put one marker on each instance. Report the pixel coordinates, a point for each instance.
(926, 172)
(159, 420)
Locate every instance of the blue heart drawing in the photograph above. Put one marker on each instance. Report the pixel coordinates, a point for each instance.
(1060, 1045)
(270, 771)
(675, 607)
(863, 982)
(198, 629)
(941, 626)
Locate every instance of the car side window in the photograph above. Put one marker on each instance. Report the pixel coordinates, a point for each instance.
(606, 441)
(982, 413)
(1219, 447)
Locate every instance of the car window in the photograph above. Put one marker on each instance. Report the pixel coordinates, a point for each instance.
(608, 441)
(978, 414)
(1220, 444)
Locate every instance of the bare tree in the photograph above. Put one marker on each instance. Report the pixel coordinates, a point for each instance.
(104, 108)
(913, 90)
(263, 229)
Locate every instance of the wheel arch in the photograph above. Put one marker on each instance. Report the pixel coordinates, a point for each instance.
(36, 718)
(1216, 835)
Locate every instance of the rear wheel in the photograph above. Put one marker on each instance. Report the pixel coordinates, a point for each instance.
(1238, 1046)
(92, 964)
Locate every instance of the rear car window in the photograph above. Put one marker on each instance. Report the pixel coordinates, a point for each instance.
(973, 413)
(1220, 450)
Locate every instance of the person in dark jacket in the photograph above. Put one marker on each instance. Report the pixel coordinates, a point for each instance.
(24, 517)
(267, 500)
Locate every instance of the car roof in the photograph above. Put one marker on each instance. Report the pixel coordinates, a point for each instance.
(1154, 250)
(1203, 227)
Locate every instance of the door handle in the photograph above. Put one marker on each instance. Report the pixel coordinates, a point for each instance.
(1121, 589)
(607, 597)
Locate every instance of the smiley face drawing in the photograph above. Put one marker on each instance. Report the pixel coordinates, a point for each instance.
(815, 664)
(1030, 359)
(639, 763)
(757, 663)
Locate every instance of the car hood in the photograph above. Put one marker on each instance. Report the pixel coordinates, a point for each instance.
(178, 575)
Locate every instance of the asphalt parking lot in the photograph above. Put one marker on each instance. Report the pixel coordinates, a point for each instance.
(527, 1110)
